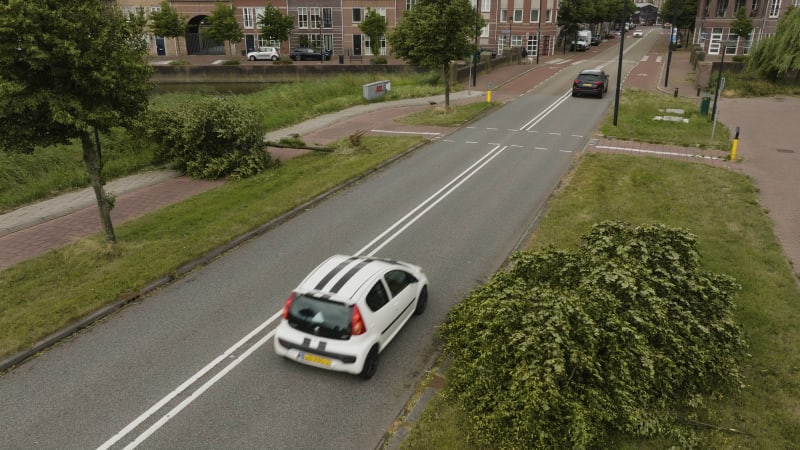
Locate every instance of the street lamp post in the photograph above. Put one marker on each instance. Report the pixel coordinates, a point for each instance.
(725, 45)
(510, 19)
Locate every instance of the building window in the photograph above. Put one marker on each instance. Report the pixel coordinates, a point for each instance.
(315, 18)
(368, 50)
(548, 16)
(722, 6)
(516, 41)
(731, 49)
(410, 3)
(302, 17)
(518, 16)
(534, 16)
(754, 9)
(486, 5)
(504, 15)
(774, 9)
(327, 17)
(738, 4)
(248, 18)
(356, 15)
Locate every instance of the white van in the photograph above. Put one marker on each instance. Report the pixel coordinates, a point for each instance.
(583, 41)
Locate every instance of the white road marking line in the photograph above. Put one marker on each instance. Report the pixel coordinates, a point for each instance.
(545, 112)
(658, 152)
(645, 58)
(658, 59)
(406, 132)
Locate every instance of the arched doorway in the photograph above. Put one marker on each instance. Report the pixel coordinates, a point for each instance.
(196, 43)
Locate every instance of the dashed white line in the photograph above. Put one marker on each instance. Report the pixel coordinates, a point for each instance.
(657, 152)
(429, 133)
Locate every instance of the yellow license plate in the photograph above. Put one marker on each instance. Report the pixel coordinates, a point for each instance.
(587, 84)
(316, 359)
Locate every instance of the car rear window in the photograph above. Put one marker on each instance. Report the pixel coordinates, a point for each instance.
(588, 77)
(320, 317)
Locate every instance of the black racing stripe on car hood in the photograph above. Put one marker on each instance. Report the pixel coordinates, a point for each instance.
(350, 273)
(333, 273)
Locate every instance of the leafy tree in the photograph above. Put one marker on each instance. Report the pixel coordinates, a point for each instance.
(435, 32)
(71, 69)
(274, 25)
(687, 12)
(209, 138)
(223, 26)
(619, 336)
(572, 14)
(374, 26)
(742, 24)
(778, 55)
(168, 23)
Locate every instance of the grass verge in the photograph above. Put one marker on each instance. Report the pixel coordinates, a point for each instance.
(635, 122)
(42, 295)
(735, 237)
(455, 116)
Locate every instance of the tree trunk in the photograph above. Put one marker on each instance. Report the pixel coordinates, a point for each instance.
(446, 87)
(93, 159)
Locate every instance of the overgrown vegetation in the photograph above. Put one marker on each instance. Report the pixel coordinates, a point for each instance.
(636, 122)
(735, 238)
(566, 348)
(455, 116)
(209, 138)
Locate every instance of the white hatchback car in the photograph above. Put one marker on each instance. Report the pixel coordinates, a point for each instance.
(270, 53)
(347, 310)
(638, 33)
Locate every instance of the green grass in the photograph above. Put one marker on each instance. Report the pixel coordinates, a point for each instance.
(57, 169)
(457, 115)
(735, 237)
(635, 122)
(41, 295)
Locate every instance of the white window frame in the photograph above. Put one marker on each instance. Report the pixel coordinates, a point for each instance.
(504, 15)
(315, 18)
(534, 19)
(360, 15)
(486, 5)
(302, 17)
(518, 15)
(774, 9)
(248, 18)
(548, 16)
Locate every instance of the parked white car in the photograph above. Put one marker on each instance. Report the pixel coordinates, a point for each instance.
(265, 53)
(347, 310)
(638, 33)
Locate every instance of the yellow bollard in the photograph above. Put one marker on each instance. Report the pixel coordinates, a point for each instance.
(734, 146)
(489, 96)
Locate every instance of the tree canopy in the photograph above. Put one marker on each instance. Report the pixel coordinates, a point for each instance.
(168, 23)
(778, 55)
(435, 32)
(223, 26)
(567, 348)
(274, 25)
(70, 69)
(374, 26)
(742, 24)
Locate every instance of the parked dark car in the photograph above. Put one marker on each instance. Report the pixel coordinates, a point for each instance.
(488, 51)
(596, 39)
(590, 81)
(309, 54)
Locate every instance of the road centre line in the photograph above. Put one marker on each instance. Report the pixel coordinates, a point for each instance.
(545, 112)
(445, 191)
(434, 199)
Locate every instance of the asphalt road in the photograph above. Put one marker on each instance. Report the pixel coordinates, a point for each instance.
(192, 366)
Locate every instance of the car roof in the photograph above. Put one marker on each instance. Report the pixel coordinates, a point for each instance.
(591, 72)
(340, 277)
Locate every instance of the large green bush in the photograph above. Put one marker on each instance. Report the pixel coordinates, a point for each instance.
(565, 349)
(210, 137)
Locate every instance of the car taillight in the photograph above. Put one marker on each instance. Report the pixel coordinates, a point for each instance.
(357, 326)
(287, 306)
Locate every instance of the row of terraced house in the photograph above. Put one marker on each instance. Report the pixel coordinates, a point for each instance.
(532, 24)
(333, 24)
